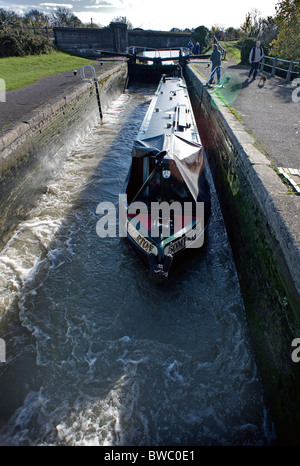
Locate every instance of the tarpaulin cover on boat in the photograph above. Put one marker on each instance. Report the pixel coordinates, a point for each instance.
(188, 156)
(148, 147)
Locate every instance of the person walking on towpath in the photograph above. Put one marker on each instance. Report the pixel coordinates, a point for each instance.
(215, 58)
(190, 47)
(256, 54)
(197, 49)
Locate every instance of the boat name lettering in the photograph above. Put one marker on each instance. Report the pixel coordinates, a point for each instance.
(131, 230)
(197, 230)
(177, 245)
(141, 241)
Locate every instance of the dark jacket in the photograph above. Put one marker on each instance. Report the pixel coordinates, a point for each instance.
(215, 58)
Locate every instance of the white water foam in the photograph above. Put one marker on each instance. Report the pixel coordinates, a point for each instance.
(114, 361)
(32, 239)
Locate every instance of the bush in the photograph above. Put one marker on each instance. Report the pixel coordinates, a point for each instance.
(37, 43)
(201, 34)
(246, 46)
(20, 42)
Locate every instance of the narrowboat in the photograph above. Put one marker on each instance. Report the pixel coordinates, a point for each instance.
(166, 196)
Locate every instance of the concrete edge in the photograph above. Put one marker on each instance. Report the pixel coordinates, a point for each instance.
(271, 194)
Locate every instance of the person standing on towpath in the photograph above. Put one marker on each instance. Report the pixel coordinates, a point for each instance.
(256, 54)
(197, 49)
(215, 58)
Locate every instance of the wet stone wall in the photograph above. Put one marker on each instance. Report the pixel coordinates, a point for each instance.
(32, 152)
(268, 286)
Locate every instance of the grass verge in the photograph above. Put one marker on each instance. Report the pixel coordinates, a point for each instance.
(231, 51)
(18, 72)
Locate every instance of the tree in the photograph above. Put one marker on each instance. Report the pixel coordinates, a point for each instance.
(252, 24)
(268, 31)
(218, 31)
(9, 18)
(18, 39)
(35, 18)
(287, 44)
(202, 35)
(18, 42)
(246, 26)
(181, 30)
(92, 25)
(287, 11)
(63, 17)
(123, 19)
(232, 33)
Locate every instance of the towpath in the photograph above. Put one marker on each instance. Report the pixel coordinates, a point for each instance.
(20, 102)
(269, 111)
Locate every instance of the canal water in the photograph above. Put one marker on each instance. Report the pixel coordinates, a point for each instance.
(95, 353)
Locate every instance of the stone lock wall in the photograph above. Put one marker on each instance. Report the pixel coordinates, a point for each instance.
(32, 152)
(86, 41)
(116, 38)
(265, 251)
(158, 39)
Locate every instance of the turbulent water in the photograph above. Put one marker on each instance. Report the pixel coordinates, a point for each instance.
(95, 354)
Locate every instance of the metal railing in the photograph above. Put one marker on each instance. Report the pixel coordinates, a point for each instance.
(222, 50)
(273, 67)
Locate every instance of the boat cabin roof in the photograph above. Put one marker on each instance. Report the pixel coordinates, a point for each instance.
(170, 112)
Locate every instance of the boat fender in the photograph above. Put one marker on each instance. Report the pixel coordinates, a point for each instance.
(159, 273)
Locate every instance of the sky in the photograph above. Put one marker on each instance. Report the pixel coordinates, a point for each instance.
(153, 14)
